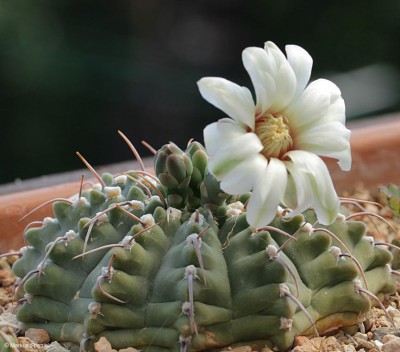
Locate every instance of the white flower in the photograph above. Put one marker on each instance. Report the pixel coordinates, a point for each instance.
(271, 147)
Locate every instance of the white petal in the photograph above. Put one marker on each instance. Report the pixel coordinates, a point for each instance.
(285, 79)
(229, 97)
(276, 54)
(314, 103)
(299, 195)
(244, 176)
(290, 197)
(301, 63)
(267, 194)
(328, 86)
(330, 139)
(233, 153)
(336, 111)
(345, 160)
(325, 200)
(261, 71)
(218, 134)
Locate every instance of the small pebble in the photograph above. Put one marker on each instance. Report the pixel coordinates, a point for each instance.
(391, 346)
(380, 333)
(27, 345)
(349, 348)
(38, 336)
(390, 337)
(55, 347)
(361, 336)
(266, 349)
(393, 312)
(378, 344)
(364, 343)
(300, 340)
(103, 345)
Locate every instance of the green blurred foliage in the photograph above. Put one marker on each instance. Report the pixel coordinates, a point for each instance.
(74, 72)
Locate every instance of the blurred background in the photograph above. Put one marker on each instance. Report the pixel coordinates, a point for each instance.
(72, 73)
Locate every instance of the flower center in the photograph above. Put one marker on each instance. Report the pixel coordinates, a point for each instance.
(274, 134)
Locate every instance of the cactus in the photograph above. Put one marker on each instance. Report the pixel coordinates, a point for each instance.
(390, 196)
(170, 263)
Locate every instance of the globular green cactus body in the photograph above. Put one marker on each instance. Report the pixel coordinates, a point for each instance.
(174, 266)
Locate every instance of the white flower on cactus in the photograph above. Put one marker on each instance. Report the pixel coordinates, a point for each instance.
(272, 147)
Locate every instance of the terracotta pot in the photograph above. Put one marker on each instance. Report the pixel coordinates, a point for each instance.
(15, 205)
(376, 161)
(375, 148)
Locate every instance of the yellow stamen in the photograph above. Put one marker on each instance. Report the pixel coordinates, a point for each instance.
(274, 134)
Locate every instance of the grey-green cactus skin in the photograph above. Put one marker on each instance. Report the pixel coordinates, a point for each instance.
(179, 268)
